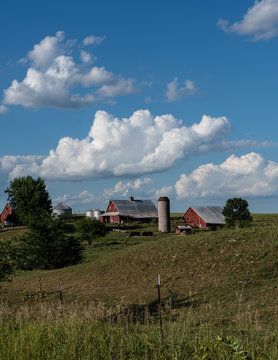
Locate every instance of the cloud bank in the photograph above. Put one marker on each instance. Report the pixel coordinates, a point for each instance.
(260, 22)
(249, 175)
(55, 76)
(128, 147)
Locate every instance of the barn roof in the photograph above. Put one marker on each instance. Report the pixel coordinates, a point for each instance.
(134, 208)
(210, 214)
(62, 206)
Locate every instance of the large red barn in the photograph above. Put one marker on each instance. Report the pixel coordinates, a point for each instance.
(206, 217)
(6, 212)
(129, 211)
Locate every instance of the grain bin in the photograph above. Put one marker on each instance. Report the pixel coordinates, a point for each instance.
(90, 213)
(62, 210)
(164, 214)
(97, 213)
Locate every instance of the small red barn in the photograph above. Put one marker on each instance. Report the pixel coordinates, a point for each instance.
(206, 217)
(129, 211)
(6, 212)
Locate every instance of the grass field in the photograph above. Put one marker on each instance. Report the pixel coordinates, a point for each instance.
(221, 283)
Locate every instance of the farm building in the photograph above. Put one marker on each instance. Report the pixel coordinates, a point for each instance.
(181, 229)
(8, 210)
(62, 209)
(131, 210)
(206, 217)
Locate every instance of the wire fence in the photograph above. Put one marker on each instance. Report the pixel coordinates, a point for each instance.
(254, 283)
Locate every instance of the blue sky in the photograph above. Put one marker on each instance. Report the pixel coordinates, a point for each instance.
(110, 99)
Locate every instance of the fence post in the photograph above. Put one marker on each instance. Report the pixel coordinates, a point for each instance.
(61, 299)
(159, 304)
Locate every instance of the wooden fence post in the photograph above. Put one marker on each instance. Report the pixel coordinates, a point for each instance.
(61, 299)
(160, 306)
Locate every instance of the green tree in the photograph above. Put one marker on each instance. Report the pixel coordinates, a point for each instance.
(28, 197)
(88, 229)
(7, 260)
(47, 246)
(236, 213)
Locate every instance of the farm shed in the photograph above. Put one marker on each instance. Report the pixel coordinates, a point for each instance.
(183, 229)
(62, 209)
(206, 217)
(131, 210)
(8, 210)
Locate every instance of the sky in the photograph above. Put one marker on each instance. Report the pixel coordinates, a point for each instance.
(109, 99)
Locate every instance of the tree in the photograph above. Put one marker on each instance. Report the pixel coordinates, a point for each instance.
(236, 213)
(89, 229)
(7, 260)
(47, 246)
(28, 197)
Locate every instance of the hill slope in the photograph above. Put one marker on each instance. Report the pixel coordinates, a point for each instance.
(228, 270)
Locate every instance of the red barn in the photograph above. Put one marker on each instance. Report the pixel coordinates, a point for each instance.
(206, 217)
(129, 211)
(5, 213)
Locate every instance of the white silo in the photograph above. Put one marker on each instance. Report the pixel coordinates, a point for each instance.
(90, 214)
(164, 224)
(97, 213)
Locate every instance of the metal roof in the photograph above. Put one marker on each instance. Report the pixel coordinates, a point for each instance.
(136, 208)
(62, 206)
(210, 214)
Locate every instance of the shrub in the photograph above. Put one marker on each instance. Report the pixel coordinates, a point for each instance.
(88, 229)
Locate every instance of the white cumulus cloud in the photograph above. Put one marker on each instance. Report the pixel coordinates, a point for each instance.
(90, 40)
(125, 189)
(175, 92)
(3, 109)
(249, 175)
(141, 144)
(164, 191)
(260, 22)
(84, 197)
(54, 74)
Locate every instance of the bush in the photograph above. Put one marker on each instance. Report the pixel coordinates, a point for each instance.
(88, 229)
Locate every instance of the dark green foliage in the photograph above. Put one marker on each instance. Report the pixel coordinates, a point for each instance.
(236, 213)
(89, 229)
(46, 245)
(7, 260)
(28, 197)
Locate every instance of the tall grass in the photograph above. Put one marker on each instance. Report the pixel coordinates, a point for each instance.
(97, 332)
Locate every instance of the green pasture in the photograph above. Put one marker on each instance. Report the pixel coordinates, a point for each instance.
(219, 298)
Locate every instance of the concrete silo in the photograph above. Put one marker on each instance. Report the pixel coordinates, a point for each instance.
(164, 214)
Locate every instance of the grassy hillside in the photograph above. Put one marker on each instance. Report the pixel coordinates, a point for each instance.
(227, 271)
(212, 283)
